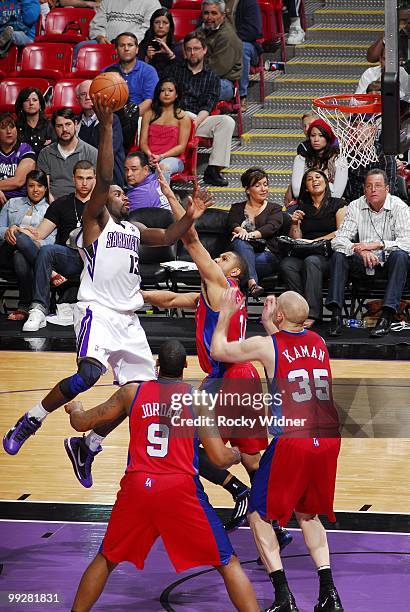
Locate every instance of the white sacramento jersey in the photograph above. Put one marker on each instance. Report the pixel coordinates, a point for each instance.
(111, 274)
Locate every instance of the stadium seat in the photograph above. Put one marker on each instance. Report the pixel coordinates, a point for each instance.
(92, 59)
(8, 63)
(65, 96)
(191, 155)
(67, 25)
(260, 69)
(185, 21)
(11, 87)
(272, 24)
(187, 4)
(150, 258)
(50, 61)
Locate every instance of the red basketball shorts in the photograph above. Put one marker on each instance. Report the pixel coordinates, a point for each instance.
(173, 507)
(296, 474)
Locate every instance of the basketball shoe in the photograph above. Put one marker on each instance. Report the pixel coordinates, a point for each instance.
(17, 435)
(239, 512)
(329, 601)
(284, 602)
(81, 458)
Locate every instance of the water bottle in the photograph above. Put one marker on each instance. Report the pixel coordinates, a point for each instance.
(271, 66)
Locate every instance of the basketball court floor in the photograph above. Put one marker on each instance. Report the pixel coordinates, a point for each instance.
(51, 527)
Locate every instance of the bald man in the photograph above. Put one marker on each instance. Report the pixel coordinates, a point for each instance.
(298, 470)
(88, 130)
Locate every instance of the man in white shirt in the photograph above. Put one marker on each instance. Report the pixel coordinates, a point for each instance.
(374, 74)
(374, 239)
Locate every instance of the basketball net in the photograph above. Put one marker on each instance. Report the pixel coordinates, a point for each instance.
(355, 120)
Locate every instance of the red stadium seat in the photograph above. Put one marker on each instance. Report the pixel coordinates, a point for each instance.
(47, 60)
(8, 64)
(260, 69)
(65, 96)
(185, 21)
(67, 25)
(191, 156)
(11, 87)
(92, 59)
(272, 24)
(187, 4)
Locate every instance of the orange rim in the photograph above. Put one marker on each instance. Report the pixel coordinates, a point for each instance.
(369, 103)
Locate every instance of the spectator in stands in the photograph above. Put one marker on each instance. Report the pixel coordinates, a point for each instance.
(374, 73)
(59, 158)
(33, 126)
(113, 17)
(64, 214)
(374, 239)
(375, 49)
(88, 130)
(254, 225)
(322, 153)
(143, 187)
(18, 23)
(307, 119)
(15, 216)
(158, 45)
(296, 34)
(317, 217)
(224, 47)
(200, 86)
(165, 129)
(16, 160)
(141, 78)
(246, 17)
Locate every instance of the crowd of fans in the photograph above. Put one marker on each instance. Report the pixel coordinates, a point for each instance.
(47, 166)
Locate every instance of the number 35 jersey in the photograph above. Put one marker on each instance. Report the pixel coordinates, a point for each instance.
(302, 386)
(163, 438)
(111, 275)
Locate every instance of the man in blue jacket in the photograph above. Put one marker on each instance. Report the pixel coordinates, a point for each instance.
(18, 22)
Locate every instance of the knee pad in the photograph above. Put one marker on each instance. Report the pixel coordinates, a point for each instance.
(87, 375)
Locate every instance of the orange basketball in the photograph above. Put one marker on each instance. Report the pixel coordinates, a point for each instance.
(112, 85)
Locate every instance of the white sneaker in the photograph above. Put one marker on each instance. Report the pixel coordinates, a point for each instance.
(63, 316)
(36, 320)
(296, 36)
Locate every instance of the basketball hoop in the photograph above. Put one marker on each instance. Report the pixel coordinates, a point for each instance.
(355, 120)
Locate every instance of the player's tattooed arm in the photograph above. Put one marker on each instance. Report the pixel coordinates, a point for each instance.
(114, 407)
(220, 455)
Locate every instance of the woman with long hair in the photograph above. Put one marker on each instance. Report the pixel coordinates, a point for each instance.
(317, 217)
(33, 126)
(165, 129)
(320, 151)
(17, 215)
(158, 45)
(254, 225)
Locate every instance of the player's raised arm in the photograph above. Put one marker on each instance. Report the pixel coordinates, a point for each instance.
(257, 348)
(116, 406)
(95, 215)
(170, 299)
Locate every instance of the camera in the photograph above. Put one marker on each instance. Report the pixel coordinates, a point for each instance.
(156, 45)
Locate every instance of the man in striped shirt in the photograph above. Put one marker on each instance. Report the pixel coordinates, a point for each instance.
(374, 239)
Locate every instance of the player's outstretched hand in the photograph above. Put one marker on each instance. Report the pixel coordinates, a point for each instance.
(269, 313)
(229, 302)
(103, 109)
(198, 202)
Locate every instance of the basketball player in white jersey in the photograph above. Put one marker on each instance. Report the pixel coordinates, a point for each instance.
(107, 329)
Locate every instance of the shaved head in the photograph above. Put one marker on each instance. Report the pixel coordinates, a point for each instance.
(293, 307)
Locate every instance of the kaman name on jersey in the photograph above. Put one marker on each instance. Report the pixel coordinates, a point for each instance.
(303, 351)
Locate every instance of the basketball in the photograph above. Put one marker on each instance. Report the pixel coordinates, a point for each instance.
(112, 85)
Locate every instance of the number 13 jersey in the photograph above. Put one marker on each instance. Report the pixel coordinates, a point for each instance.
(111, 275)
